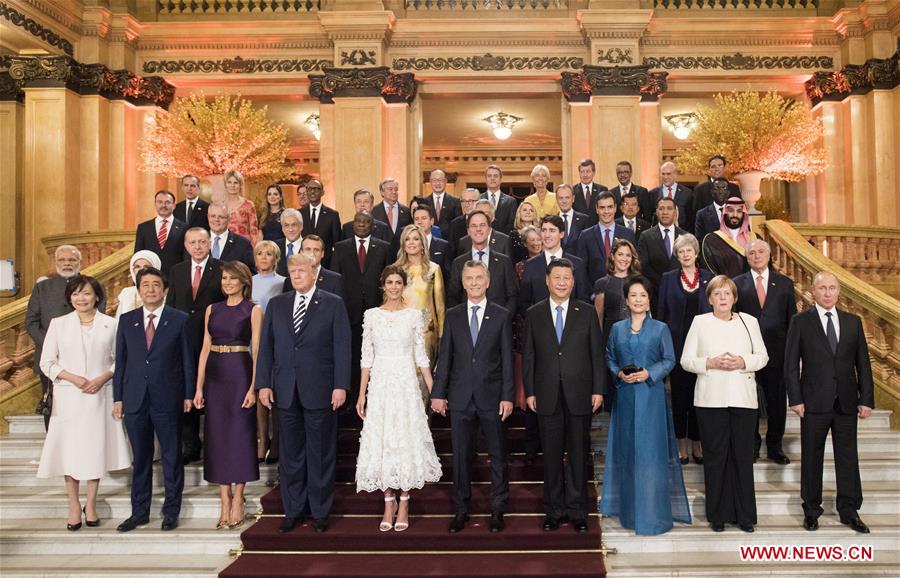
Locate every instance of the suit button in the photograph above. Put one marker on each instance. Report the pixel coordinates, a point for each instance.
(560, 353)
(473, 360)
(147, 362)
(193, 311)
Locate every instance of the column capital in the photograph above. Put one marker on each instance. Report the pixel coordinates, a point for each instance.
(875, 73)
(350, 82)
(613, 81)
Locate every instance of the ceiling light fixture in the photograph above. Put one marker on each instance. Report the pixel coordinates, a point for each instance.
(312, 123)
(502, 124)
(681, 125)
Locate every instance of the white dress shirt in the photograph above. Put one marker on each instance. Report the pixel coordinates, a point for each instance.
(202, 265)
(630, 224)
(834, 319)
(394, 214)
(479, 314)
(548, 256)
(365, 242)
(493, 197)
(223, 238)
(296, 244)
(565, 310)
(308, 295)
(567, 219)
(487, 254)
(314, 219)
(159, 222)
(157, 312)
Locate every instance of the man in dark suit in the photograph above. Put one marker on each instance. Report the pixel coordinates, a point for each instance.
(303, 366)
(684, 196)
(164, 234)
(319, 219)
(709, 218)
(587, 191)
(595, 243)
(292, 227)
(564, 372)
(446, 207)
(364, 201)
(360, 261)
(498, 242)
(391, 211)
(630, 207)
(225, 245)
(326, 280)
(438, 249)
(703, 192)
(475, 373)
(503, 205)
(194, 285)
(502, 289)
(192, 210)
(533, 287)
(625, 186)
(153, 386)
(459, 227)
(657, 256)
(573, 221)
(829, 384)
(770, 298)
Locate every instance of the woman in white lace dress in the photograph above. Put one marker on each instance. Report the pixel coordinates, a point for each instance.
(396, 451)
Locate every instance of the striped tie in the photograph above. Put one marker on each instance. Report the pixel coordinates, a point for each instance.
(299, 313)
(163, 233)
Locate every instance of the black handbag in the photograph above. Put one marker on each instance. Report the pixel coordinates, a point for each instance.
(45, 404)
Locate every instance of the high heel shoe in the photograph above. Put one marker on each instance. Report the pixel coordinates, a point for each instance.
(222, 525)
(240, 521)
(401, 526)
(388, 526)
(684, 461)
(73, 527)
(89, 523)
(697, 459)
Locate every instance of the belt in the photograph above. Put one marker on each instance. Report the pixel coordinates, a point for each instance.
(229, 348)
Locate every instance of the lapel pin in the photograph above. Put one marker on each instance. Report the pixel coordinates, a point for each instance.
(136, 324)
(487, 316)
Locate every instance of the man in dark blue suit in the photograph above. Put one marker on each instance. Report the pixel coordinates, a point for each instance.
(573, 221)
(225, 245)
(480, 391)
(670, 189)
(709, 218)
(192, 210)
(438, 249)
(153, 385)
(595, 243)
(164, 234)
(364, 202)
(303, 365)
(533, 287)
(326, 280)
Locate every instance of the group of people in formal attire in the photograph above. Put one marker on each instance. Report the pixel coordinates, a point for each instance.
(660, 306)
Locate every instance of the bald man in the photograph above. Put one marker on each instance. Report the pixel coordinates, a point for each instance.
(684, 196)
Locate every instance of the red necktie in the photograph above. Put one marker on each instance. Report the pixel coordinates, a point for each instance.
(163, 233)
(669, 192)
(607, 244)
(361, 255)
(151, 330)
(390, 216)
(195, 284)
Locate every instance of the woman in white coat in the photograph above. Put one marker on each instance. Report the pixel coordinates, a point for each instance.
(84, 440)
(725, 349)
(128, 296)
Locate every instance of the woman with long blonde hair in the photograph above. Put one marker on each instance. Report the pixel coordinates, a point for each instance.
(241, 210)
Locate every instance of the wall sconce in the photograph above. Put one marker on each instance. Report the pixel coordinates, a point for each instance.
(312, 123)
(502, 124)
(681, 125)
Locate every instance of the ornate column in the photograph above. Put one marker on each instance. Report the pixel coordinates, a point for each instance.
(12, 123)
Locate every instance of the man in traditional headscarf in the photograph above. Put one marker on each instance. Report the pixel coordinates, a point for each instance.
(724, 250)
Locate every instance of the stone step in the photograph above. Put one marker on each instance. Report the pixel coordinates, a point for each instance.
(770, 530)
(118, 566)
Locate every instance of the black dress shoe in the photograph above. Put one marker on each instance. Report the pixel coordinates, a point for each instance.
(746, 528)
(321, 525)
(810, 523)
(779, 458)
(580, 526)
(497, 523)
(755, 455)
(697, 459)
(856, 524)
(551, 524)
(684, 461)
(288, 523)
(717, 526)
(189, 458)
(458, 523)
(169, 523)
(132, 523)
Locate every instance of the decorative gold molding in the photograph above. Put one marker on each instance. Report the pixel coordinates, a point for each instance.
(35, 28)
(375, 81)
(615, 55)
(738, 61)
(876, 73)
(236, 65)
(613, 81)
(358, 57)
(489, 62)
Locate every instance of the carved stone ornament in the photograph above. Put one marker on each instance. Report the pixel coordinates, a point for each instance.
(885, 72)
(489, 62)
(9, 87)
(575, 87)
(357, 57)
(236, 65)
(876, 73)
(16, 18)
(63, 71)
(738, 61)
(615, 56)
(377, 81)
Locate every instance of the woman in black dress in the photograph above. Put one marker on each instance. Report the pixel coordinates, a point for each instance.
(270, 216)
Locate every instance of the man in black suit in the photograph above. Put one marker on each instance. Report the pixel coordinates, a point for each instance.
(459, 227)
(319, 219)
(498, 241)
(192, 210)
(587, 191)
(703, 192)
(564, 372)
(292, 227)
(360, 261)
(503, 205)
(829, 385)
(502, 289)
(164, 235)
(391, 210)
(709, 218)
(770, 298)
(630, 207)
(194, 285)
(533, 287)
(597, 241)
(438, 249)
(625, 186)
(364, 201)
(573, 221)
(446, 207)
(326, 280)
(225, 245)
(475, 372)
(684, 196)
(657, 256)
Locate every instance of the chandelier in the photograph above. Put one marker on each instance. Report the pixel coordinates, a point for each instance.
(502, 124)
(681, 125)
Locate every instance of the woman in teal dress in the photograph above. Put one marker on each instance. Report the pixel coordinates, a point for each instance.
(642, 481)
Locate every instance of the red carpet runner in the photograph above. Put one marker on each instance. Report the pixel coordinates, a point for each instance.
(353, 546)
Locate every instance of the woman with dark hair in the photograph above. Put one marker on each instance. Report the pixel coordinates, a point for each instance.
(84, 440)
(396, 450)
(270, 214)
(643, 484)
(226, 376)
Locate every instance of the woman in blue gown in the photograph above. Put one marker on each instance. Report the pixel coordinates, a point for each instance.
(642, 481)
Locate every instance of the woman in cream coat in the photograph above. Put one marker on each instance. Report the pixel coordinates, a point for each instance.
(84, 440)
(724, 349)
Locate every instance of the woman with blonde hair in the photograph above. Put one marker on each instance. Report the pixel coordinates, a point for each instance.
(525, 217)
(543, 201)
(241, 210)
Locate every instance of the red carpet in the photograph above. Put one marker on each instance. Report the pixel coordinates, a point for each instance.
(353, 546)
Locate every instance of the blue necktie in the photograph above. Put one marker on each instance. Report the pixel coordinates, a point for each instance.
(481, 256)
(668, 243)
(559, 323)
(216, 250)
(473, 324)
(290, 248)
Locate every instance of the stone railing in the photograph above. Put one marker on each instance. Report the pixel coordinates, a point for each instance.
(19, 389)
(243, 8)
(795, 256)
(486, 5)
(730, 5)
(94, 245)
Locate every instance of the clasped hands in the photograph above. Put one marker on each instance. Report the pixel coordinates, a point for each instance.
(90, 386)
(726, 362)
(440, 406)
(636, 377)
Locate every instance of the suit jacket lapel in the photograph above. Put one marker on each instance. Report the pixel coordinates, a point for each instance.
(568, 321)
(485, 323)
(820, 331)
(162, 325)
(310, 310)
(204, 278)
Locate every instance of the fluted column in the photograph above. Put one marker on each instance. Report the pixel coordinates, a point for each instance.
(650, 144)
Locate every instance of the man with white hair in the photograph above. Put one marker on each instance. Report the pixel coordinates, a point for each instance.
(292, 227)
(670, 189)
(48, 301)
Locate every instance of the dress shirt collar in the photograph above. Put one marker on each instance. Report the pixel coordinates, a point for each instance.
(671, 228)
(765, 276)
(308, 295)
(558, 254)
(480, 313)
(223, 238)
(158, 312)
(824, 320)
(159, 221)
(296, 244)
(317, 207)
(365, 241)
(603, 228)
(486, 251)
(202, 266)
(565, 308)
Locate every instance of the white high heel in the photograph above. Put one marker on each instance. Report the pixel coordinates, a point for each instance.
(401, 526)
(388, 526)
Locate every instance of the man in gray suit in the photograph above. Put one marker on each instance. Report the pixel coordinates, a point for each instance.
(48, 301)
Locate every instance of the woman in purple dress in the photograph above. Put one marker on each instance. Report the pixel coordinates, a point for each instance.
(225, 386)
